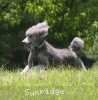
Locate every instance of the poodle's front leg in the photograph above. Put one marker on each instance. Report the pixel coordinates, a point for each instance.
(30, 61)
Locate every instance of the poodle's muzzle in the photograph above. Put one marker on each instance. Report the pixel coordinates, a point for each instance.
(26, 42)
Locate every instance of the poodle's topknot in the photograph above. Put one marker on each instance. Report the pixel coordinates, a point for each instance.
(40, 28)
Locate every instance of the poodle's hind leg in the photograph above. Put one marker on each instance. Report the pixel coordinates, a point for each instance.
(80, 64)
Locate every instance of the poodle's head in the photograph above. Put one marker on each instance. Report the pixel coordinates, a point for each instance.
(36, 34)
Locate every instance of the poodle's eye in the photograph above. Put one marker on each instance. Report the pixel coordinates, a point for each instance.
(30, 36)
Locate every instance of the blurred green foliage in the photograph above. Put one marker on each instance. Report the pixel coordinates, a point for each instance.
(67, 19)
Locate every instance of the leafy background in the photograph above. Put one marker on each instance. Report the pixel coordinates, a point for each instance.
(67, 19)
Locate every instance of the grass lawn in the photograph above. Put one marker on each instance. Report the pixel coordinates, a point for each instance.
(53, 84)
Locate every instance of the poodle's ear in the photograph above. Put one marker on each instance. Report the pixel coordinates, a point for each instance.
(43, 32)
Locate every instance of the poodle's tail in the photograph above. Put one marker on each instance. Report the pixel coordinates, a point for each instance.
(76, 45)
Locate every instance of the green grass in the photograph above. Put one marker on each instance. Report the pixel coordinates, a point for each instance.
(53, 84)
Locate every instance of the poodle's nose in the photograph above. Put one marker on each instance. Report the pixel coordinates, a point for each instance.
(23, 42)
